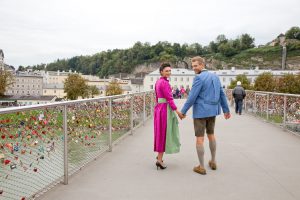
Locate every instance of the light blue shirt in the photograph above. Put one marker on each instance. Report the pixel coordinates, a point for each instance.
(206, 96)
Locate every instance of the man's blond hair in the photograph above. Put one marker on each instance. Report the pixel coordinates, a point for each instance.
(199, 59)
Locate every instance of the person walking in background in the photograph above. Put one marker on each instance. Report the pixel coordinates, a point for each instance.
(187, 90)
(238, 94)
(182, 92)
(177, 93)
(207, 97)
(166, 132)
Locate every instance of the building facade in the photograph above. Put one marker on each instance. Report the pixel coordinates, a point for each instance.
(185, 77)
(26, 85)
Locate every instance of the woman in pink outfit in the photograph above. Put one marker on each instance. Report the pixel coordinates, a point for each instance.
(166, 132)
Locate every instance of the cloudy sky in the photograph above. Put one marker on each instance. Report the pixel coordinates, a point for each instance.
(35, 31)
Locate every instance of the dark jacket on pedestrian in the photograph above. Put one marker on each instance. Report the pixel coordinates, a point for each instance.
(238, 93)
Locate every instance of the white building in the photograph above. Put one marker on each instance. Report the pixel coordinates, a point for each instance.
(185, 77)
(179, 77)
(25, 84)
(136, 85)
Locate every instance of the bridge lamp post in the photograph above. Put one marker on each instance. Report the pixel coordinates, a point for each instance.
(283, 44)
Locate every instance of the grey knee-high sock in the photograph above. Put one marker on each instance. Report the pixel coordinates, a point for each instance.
(200, 152)
(213, 148)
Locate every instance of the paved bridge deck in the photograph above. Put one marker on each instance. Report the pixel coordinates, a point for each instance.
(256, 160)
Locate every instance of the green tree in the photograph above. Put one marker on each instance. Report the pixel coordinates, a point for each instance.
(75, 86)
(213, 47)
(93, 90)
(244, 80)
(265, 82)
(21, 68)
(221, 39)
(227, 50)
(293, 33)
(247, 42)
(113, 88)
(289, 83)
(6, 79)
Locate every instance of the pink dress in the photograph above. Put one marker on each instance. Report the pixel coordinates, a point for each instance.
(162, 90)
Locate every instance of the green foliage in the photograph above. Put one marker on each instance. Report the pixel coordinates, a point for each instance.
(236, 52)
(75, 86)
(93, 90)
(113, 88)
(289, 83)
(246, 42)
(227, 49)
(21, 68)
(6, 79)
(293, 33)
(244, 80)
(265, 82)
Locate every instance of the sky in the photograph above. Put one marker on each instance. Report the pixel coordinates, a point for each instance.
(35, 31)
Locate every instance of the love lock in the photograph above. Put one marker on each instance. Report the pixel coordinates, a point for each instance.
(16, 148)
(1, 191)
(13, 166)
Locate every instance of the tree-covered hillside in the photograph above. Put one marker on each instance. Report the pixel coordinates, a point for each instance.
(221, 53)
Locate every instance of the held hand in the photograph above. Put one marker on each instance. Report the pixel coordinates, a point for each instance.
(227, 115)
(180, 115)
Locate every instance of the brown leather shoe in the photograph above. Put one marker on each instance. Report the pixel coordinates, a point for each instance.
(199, 170)
(212, 165)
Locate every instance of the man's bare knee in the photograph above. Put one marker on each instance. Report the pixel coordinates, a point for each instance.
(199, 140)
(211, 137)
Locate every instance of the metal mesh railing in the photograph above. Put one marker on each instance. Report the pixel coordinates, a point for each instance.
(278, 108)
(43, 145)
(31, 151)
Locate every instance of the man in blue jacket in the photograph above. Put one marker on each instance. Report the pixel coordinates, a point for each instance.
(207, 97)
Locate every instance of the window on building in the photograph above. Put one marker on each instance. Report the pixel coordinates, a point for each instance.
(54, 91)
(151, 87)
(17, 85)
(181, 79)
(224, 79)
(151, 78)
(187, 79)
(45, 91)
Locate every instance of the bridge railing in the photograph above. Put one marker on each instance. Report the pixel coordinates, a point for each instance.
(278, 108)
(43, 145)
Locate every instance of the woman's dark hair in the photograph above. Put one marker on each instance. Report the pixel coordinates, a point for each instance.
(163, 66)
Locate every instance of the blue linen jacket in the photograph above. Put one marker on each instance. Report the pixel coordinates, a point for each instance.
(206, 96)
